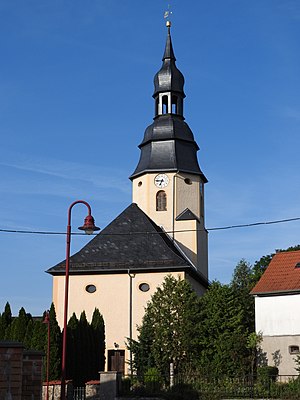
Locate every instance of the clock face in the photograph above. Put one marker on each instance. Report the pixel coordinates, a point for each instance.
(161, 180)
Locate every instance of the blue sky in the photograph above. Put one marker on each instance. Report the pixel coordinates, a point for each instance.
(76, 80)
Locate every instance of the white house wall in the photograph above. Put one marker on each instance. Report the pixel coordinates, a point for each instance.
(278, 315)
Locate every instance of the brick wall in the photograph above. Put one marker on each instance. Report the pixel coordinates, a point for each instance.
(20, 372)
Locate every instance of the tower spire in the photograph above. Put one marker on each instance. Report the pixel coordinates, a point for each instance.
(169, 52)
(168, 143)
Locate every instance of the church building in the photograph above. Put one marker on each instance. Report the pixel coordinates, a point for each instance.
(161, 233)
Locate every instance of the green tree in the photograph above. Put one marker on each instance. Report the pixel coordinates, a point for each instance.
(261, 265)
(242, 282)
(222, 334)
(98, 330)
(72, 366)
(254, 341)
(169, 328)
(86, 351)
(297, 361)
(85, 348)
(28, 339)
(55, 346)
(19, 326)
(5, 321)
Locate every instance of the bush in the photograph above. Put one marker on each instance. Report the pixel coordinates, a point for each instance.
(267, 373)
(182, 391)
(153, 381)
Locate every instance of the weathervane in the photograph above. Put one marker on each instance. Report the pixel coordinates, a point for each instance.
(167, 16)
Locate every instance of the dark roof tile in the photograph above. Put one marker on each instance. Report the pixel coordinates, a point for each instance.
(132, 240)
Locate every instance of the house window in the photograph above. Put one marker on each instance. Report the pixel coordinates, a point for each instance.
(161, 201)
(294, 349)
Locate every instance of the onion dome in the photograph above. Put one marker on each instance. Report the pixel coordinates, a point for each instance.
(168, 78)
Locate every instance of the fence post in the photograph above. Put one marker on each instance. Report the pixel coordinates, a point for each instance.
(171, 374)
(108, 389)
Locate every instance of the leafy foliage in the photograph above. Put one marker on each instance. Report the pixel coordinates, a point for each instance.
(85, 348)
(5, 321)
(261, 265)
(242, 282)
(222, 333)
(32, 332)
(208, 334)
(19, 326)
(55, 346)
(169, 328)
(98, 331)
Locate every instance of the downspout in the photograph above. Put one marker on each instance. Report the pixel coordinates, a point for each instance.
(131, 276)
(173, 216)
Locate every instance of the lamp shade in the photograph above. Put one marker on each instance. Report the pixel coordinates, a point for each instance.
(89, 225)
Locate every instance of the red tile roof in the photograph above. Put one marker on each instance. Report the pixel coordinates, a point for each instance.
(281, 276)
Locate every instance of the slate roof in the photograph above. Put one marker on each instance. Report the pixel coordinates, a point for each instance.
(281, 276)
(168, 145)
(131, 241)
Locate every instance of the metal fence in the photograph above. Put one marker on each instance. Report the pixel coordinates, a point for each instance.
(79, 393)
(206, 387)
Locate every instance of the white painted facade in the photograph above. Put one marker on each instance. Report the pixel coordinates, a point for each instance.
(278, 315)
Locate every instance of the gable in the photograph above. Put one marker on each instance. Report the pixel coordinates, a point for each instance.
(132, 240)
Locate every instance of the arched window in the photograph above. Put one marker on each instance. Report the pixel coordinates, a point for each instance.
(161, 201)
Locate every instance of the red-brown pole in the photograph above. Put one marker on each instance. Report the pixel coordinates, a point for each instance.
(90, 228)
(47, 321)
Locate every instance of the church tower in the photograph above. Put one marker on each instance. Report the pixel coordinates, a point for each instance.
(168, 184)
(161, 233)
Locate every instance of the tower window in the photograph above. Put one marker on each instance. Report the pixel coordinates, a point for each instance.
(174, 105)
(188, 181)
(161, 201)
(165, 104)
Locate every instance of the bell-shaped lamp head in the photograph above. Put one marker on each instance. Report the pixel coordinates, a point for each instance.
(46, 318)
(89, 225)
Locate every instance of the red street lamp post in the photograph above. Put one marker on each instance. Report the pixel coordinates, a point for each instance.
(47, 321)
(89, 227)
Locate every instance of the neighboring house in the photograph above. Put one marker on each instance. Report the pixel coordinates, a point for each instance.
(277, 311)
(162, 232)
